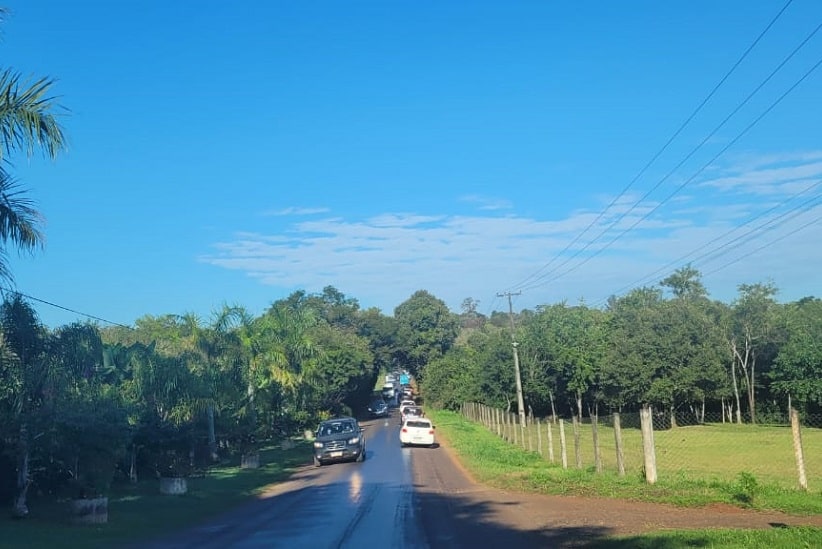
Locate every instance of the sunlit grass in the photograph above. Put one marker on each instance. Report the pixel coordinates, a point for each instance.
(702, 476)
(704, 450)
(496, 462)
(777, 538)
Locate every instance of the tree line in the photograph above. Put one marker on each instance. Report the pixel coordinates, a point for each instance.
(668, 345)
(82, 405)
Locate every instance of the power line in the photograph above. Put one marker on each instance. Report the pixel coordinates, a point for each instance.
(705, 246)
(68, 309)
(746, 237)
(769, 225)
(685, 183)
(771, 243)
(693, 151)
(661, 150)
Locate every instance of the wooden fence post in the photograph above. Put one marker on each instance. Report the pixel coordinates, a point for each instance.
(595, 435)
(528, 433)
(577, 443)
(539, 438)
(562, 445)
(646, 417)
(620, 453)
(551, 441)
(798, 451)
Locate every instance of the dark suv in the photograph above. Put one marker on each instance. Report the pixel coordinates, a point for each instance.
(339, 439)
(378, 408)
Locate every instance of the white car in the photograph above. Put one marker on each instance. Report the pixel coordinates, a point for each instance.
(404, 404)
(417, 431)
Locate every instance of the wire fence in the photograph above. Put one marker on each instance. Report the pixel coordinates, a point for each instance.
(713, 449)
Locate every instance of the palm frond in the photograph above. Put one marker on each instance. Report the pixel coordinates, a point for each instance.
(27, 116)
(19, 222)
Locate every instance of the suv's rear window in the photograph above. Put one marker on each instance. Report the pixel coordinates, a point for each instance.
(421, 424)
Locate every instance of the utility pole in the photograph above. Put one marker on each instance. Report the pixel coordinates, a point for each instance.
(520, 400)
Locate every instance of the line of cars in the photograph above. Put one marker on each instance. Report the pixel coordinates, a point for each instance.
(343, 439)
(415, 428)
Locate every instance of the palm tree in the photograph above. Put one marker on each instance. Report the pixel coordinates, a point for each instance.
(24, 341)
(28, 121)
(203, 349)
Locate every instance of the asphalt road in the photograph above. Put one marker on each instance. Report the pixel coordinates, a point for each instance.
(397, 498)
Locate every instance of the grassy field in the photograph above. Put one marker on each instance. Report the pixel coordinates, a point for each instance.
(707, 452)
(140, 512)
(711, 477)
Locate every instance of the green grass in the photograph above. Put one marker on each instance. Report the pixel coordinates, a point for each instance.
(787, 538)
(705, 451)
(139, 511)
(494, 461)
(709, 478)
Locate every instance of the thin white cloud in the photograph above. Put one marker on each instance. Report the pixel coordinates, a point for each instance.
(383, 259)
(402, 220)
(749, 161)
(293, 210)
(773, 178)
(487, 203)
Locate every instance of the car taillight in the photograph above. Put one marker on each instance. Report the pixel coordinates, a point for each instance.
(404, 430)
(431, 432)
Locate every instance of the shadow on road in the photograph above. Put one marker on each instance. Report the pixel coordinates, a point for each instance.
(453, 520)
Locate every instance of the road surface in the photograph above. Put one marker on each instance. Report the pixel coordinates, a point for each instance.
(397, 498)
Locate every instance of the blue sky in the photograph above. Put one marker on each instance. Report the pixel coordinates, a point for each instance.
(234, 152)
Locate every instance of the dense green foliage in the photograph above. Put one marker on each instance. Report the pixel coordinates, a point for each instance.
(83, 406)
(683, 353)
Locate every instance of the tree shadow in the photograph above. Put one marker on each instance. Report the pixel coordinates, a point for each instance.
(454, 520)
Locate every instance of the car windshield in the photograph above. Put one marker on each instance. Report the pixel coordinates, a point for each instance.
(336, 428)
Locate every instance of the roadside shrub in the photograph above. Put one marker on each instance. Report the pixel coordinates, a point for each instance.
(746, 488)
